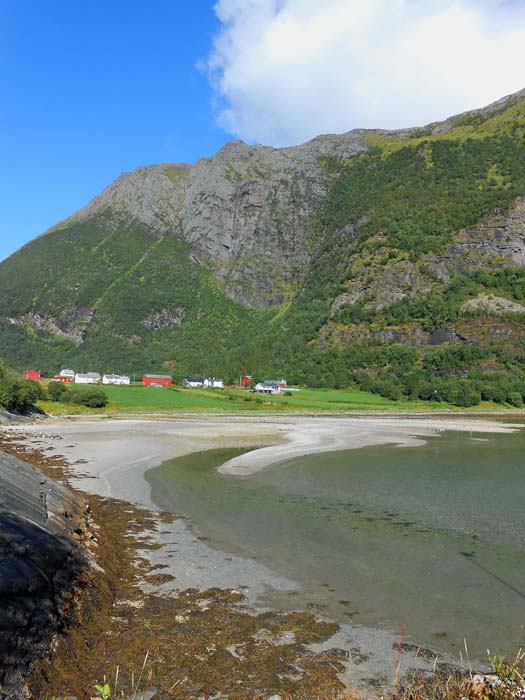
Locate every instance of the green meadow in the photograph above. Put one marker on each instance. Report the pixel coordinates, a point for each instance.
(137, 399)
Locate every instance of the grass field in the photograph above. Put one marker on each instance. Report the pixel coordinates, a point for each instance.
(140, 399)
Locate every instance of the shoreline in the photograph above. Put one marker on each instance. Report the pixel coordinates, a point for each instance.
(108, 458)
(116, 452)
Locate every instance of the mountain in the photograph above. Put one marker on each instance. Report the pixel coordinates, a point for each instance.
(394, 259)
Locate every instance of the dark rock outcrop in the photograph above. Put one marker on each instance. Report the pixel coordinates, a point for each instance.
(41, 523)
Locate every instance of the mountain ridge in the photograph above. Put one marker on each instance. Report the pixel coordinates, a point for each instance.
(328, 139)
(194, 267)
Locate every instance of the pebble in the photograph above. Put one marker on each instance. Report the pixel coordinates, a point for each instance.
(145, 695)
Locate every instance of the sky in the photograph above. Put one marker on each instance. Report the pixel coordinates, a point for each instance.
(90, 90)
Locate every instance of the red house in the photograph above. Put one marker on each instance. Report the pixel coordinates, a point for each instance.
(34, 375)
(157, 380)
(246, 381)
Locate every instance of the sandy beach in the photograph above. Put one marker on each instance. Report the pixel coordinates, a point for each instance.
(109, 458)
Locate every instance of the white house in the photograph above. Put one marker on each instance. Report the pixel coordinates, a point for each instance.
(271, 386)
(87, 378)
(263, 388)
(115, 379)
(69, 373)
(213, 383)
(192, 383)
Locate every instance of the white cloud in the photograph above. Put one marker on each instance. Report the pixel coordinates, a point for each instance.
(283, 71)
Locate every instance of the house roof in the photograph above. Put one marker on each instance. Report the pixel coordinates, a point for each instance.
(157, 376)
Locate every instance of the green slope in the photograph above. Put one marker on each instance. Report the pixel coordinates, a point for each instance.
(127, 275)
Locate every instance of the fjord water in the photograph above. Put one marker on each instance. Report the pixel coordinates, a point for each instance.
(431, 539)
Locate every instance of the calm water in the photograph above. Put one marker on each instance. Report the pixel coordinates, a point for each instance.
(430, 537)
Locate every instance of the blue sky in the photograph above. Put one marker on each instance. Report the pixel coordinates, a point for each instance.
(89, 90)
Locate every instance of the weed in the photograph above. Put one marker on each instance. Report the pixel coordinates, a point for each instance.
(104, 692)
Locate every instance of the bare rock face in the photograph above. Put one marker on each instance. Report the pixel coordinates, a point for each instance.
(501, 236)
(71, 324)
(246, 212)
(165, 319)
(152, 195)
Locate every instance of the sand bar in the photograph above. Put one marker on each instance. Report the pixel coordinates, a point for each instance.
(110, 456)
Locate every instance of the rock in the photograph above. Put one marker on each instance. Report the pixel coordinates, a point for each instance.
(39, 565)
(71, 323)
(145, 695)
(165, 319)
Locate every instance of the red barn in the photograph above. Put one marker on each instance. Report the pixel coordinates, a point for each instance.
(157, 380)
(246, 381)
(34, 375)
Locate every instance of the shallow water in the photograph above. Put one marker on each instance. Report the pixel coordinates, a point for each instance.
(431, 539)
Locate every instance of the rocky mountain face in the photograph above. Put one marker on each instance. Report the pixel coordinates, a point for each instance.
(257, 255)
(246, 213)
(499, 238)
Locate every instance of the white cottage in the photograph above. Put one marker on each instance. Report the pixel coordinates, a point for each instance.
(119, 380)
(213, 383)
(87, 378)
(193, 383)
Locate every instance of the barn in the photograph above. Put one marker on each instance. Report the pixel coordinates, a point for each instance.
(34, 375)
(157, 380)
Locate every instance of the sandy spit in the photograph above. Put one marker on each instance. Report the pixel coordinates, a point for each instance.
(110, 456)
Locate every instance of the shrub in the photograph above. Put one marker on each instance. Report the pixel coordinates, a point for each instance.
(467, 396)
(56, 391)
(17, 395)
(515, 399)
(92, 397)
